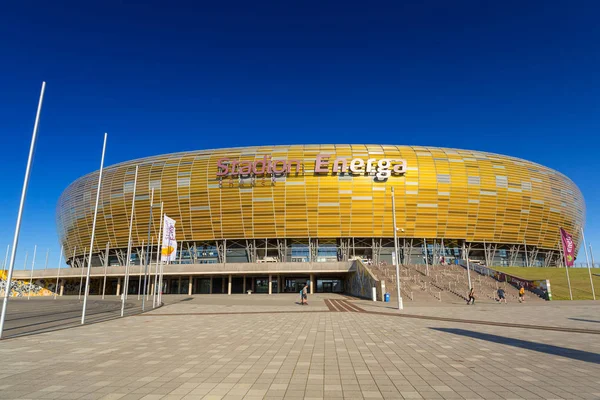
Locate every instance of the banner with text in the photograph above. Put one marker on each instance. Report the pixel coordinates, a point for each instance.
(169, 242)
(568, 247)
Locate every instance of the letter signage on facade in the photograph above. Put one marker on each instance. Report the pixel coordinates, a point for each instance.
(381, 169)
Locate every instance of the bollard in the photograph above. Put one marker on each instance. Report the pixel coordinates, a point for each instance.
(374, 293)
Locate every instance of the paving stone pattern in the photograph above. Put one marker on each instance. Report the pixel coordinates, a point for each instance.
(297, 355)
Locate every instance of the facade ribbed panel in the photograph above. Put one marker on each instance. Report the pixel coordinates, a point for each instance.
(444, 193)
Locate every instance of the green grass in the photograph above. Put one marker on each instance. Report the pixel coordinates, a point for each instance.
(580, 280)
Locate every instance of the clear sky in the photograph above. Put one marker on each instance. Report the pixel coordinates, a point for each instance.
(513, 77)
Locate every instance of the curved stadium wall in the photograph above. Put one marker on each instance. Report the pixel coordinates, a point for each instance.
(507, 211)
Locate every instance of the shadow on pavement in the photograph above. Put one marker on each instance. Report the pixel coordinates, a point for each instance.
(585, 320)
(524, 344)
(45, 315)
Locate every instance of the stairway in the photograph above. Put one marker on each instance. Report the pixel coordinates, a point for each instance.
(444, 283)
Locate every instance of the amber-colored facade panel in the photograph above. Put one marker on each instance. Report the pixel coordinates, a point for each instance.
(444, 193)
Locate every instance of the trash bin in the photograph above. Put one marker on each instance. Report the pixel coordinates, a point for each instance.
(386, 297)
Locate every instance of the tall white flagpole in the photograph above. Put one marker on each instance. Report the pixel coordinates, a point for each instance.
(20, 213)
(129, 243)
(588, 264)
(396, 258)
(105, 267)
(47, 254)
(87, 277)
(158, 251)
(140, 274)
(149, 282)
(148, 255)
(58, 273)
(466, 256)
(564, 256)
(160, 293)
(162, 266)
(5, 260)
(82, 267)
(427, 257)
(6, 256)
(73, 260)
(31, 276)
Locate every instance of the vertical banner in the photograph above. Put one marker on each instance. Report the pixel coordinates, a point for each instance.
(568, 247)
(169, 243)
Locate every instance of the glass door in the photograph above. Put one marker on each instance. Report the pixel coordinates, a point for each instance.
(261, 285)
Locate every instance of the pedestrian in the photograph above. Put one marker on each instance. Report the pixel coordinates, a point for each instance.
(521, 294)
(501, 296)
(305, 294)
(471, 299)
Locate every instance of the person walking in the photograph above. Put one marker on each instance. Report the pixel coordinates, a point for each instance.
(501, 296)
(521, 294)
(305, 294)
(471, 299)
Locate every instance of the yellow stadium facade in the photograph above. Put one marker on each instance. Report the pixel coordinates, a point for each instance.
(313, 203)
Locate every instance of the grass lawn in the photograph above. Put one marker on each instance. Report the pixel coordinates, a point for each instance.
(580, 280)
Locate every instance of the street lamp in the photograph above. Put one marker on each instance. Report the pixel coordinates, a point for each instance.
(395, 255)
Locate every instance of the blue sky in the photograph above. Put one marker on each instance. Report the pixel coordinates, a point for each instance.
(516, 78)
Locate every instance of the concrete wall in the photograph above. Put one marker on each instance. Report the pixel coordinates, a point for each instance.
(197, 269)
(361, 281)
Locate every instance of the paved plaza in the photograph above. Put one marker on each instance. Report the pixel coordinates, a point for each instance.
(254, 347)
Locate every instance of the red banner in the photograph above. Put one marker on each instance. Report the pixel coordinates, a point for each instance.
(568, 247)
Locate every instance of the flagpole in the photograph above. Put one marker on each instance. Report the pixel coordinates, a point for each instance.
(5, 260)
(160, 293)
(566, 263)
(466, 256)
(82, 267)
(427, 257)
(73, 260)
(6, 257)
(147, 255)
(149, 282)
(158, 251)
(89, 267)
(568, 280)
(20, 213)
(129, 243)
(140, 274)
(58, 273)
(105, 267)
(396, 258)
(31, 276)
(588, 264)
(47, 254)
(592, 256)
(162, 268)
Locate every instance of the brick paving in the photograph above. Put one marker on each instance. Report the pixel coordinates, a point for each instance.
(178, 353)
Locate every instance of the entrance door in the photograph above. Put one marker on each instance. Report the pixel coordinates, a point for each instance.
(261, 285)
(327, 287)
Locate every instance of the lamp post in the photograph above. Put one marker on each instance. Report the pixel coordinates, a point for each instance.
(395, 255)
(466, 256)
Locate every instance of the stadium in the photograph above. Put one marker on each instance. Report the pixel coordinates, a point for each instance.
(270, 217)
